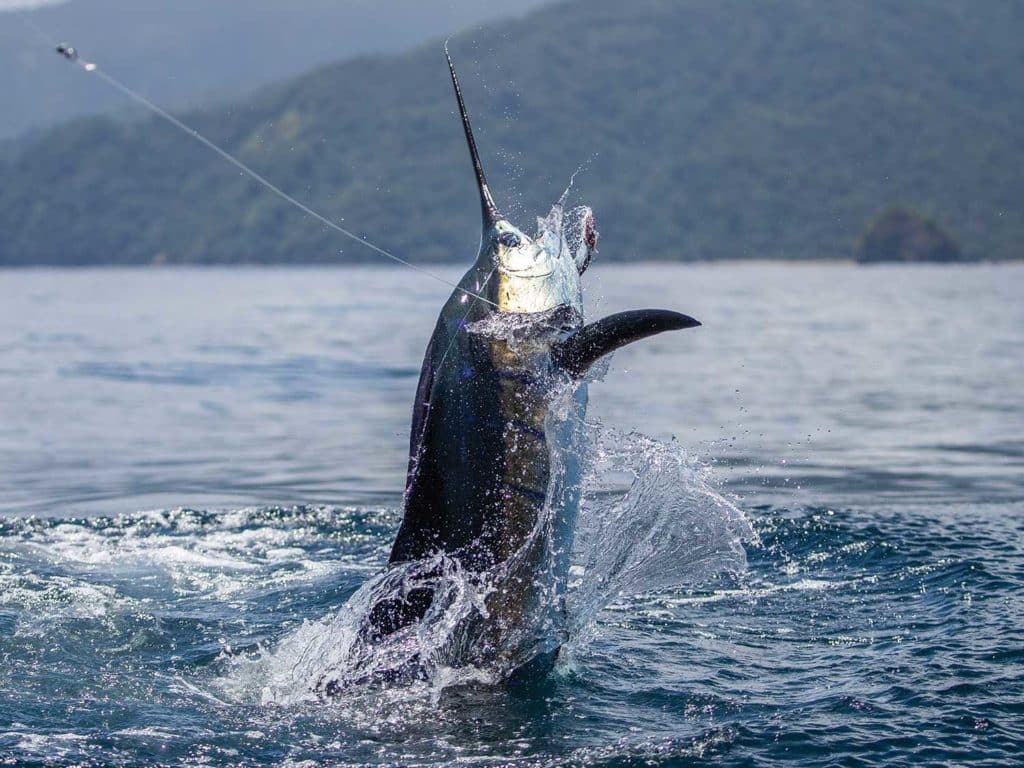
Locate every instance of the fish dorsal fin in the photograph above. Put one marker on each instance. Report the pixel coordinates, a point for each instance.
(490, 212)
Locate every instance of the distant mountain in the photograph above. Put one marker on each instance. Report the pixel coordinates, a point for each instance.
(189, 51)
(717, 128)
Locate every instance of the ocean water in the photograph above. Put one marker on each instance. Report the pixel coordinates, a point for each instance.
(803, 537)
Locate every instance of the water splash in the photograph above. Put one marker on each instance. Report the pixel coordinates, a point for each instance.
(669, 527)
(672, 527)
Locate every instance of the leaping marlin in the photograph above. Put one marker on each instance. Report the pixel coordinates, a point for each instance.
(493, 477)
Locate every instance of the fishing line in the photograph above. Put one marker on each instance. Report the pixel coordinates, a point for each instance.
(72, 55)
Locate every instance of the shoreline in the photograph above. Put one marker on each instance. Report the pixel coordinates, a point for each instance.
(461, 264)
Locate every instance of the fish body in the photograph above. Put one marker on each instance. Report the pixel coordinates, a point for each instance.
(496, 448)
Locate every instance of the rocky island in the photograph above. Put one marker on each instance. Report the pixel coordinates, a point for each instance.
(900, 234)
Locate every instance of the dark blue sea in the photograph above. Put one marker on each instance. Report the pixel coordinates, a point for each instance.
(804, 544)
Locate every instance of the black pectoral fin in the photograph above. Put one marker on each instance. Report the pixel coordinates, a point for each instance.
(578, 352)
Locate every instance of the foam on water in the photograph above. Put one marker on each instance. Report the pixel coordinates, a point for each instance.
(147, 674)
(210, 554)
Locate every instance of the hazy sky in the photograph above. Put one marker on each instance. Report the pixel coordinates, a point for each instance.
(186, 52)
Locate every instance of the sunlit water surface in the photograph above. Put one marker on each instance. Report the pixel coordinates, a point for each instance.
(199, 467)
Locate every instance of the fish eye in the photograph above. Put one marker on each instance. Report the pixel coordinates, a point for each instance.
(508, 239)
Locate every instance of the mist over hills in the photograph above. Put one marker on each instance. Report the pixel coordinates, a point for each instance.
(191, 51)
(716, 128)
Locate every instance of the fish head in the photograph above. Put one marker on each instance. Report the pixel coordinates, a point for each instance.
(529, 274)
(540, 273)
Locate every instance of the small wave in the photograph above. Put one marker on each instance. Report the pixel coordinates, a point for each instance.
(748, 593)
(41, 601)
(56, 570)
(197, 373)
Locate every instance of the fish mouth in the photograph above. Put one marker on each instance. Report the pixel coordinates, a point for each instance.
(526, 272)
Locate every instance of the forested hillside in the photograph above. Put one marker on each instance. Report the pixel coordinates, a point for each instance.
(716, 128)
